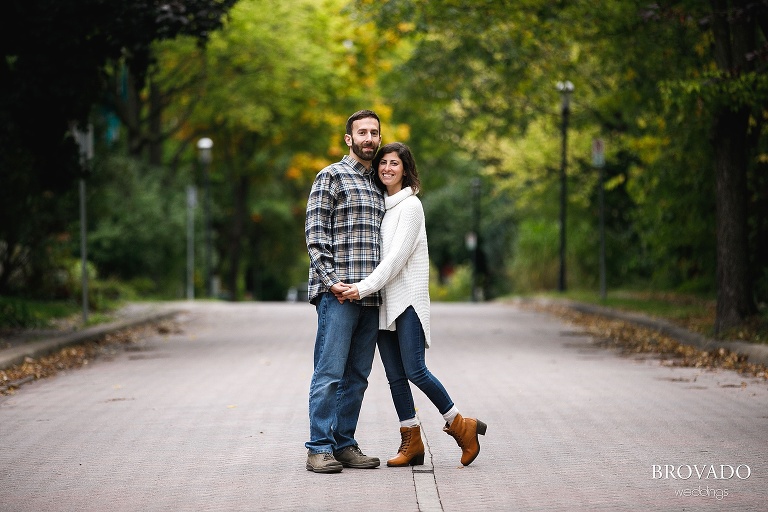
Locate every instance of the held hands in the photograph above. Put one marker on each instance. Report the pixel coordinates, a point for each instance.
(338, 290)
(343, 291)
(352, 292)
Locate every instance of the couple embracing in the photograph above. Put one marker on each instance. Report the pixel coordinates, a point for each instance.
(369, 281)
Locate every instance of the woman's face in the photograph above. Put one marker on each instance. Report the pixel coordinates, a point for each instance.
(391, 172)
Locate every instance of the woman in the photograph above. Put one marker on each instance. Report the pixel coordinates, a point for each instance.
(403, 277)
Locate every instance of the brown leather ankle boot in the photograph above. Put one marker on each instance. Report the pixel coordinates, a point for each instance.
(465, 431)
(411, 450)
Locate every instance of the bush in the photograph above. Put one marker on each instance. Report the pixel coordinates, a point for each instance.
(456, 288)
(104, 295)
(138, 216)
(32, 314)
(16, 314)
(535, 262)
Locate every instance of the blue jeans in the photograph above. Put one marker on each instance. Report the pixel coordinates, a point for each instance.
(402, 353)
(344, 350)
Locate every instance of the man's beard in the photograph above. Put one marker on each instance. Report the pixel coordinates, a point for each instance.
(359, 151)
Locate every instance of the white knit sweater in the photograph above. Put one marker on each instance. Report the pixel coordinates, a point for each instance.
(403, 273)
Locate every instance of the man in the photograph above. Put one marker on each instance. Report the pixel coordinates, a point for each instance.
(344, 213)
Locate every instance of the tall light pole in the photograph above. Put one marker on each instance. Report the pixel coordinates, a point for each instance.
(191, 205)
(205, 155)
(472, 238)
(566, 89)
(476, 229)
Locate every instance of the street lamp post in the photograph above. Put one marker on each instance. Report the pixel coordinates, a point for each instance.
(472, 239)
(566, 89)
(191, 205)
(476, 228)
(205, 155)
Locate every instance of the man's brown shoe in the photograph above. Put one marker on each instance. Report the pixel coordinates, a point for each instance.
(353, 457)
(323, 463)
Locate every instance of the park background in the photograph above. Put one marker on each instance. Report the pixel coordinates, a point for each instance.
(610, 152)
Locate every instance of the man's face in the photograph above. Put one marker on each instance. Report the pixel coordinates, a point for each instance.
(365, 139)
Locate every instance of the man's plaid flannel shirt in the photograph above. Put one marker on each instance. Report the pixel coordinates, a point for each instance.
(344, 213)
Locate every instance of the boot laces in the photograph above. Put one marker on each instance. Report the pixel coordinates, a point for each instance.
(457, 437)
(357, 451)
(405, 442)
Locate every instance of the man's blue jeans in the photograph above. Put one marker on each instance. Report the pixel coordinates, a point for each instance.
(402, 353)
(344, 350)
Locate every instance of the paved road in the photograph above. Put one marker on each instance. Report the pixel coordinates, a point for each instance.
(214, 419)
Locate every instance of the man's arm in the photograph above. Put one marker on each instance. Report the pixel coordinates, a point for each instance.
(317, 229)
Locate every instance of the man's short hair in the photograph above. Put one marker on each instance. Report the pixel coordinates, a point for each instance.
(361, 114)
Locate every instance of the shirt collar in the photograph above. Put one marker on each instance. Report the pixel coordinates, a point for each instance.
(356, 165)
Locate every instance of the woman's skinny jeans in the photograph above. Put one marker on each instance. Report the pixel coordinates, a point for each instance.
(402, 352)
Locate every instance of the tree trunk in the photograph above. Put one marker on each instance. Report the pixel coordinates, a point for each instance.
(734, 285)
(155, 124)
(132, 115)
(733, 32)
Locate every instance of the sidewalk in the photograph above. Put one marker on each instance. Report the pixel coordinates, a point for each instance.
(37, 343)
(757, 353)
(214, 418)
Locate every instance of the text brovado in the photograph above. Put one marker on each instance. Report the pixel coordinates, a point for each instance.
(700, 471)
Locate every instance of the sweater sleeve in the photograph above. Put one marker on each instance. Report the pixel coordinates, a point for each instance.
(403, 244)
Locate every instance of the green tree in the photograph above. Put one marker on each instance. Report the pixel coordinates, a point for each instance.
(476, 80)
(740, 86)
(274, 87)
(483, 73)
(51, 75)
(139, 220)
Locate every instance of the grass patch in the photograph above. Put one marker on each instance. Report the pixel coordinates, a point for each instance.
(16, 313)
(33, 314)
(671, 306)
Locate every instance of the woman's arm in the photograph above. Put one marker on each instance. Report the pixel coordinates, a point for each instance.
(403, 244)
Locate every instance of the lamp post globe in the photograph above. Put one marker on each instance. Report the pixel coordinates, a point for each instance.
(205, 155)
(204, 146)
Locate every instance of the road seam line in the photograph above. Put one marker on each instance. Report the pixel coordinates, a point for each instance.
(427, 494)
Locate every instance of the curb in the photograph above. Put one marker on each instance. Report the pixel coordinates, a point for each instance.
(756, 353)
(35, 349)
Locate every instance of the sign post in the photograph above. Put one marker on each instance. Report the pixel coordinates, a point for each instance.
(84, 141)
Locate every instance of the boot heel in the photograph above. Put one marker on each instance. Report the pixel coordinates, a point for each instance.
(481, 427)
(418, 460)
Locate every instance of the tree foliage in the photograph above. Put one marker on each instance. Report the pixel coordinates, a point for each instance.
(490, 69)
(676, 89)
(273, 90)
(51, 74)
(139, 229)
